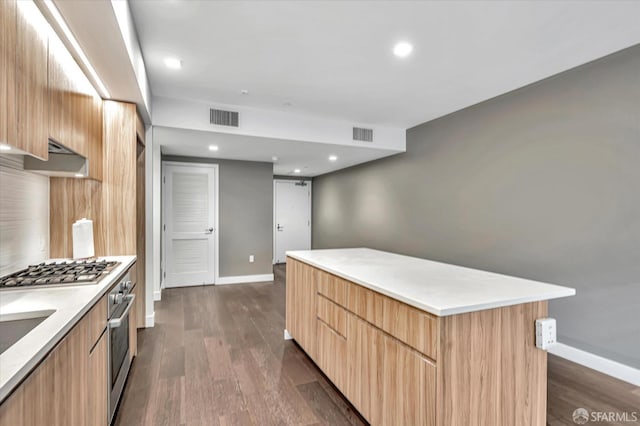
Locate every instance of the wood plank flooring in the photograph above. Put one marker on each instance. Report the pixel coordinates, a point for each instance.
(216, 356)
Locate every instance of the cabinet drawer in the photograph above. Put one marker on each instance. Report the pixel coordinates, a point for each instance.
(333, 315)
(406, 323)
(97, 320)
(332, 287)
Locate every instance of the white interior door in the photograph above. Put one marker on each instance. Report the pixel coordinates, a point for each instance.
(190, 224)
(292, 217)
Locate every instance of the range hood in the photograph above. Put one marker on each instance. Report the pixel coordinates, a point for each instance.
(62, 162)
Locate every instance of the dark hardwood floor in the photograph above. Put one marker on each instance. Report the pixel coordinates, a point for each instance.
(216, 356)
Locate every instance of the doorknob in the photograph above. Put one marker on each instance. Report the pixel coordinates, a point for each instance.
(279, 227)
(208, 231)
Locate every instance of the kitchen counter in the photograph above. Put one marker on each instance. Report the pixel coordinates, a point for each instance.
(69, 303)
(438, 288)
(413, 341)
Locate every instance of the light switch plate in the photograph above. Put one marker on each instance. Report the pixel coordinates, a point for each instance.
(545, 333)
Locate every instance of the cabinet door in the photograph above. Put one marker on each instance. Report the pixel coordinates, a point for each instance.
(332, 355)
(408, 386)
(7, 71)
(56, 392)
(32, 98)
(365, 359)
(99, 383)
(301, 305)
(60, 95)
(75, 109)
(388, 382)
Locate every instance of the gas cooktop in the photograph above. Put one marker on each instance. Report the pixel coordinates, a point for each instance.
(54, 274)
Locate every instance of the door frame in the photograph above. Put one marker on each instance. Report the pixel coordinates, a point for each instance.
(216, 232)
(310, 183)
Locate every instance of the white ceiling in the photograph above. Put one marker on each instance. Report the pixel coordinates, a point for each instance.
(334, 59)
(311, 158)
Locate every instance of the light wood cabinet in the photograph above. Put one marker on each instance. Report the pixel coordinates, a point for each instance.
(56, 392)
(7, 71)
(332, 354)
(32, 94)
(111, 204)
(43, 92)
(388, 381)
(75, 118)
(400, 365)
(301, 317)
(99, 383)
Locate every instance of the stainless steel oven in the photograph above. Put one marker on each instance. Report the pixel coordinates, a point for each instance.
(120, 303)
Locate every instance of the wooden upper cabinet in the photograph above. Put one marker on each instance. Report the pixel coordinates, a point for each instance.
(7, 71)
(32, 97)
(43, 91)
(75, 109)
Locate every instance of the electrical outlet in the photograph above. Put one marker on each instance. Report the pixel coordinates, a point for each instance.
(545, 333)
(251, 259)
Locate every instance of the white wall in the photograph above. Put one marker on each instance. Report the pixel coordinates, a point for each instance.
(24, 216)
(131, 42)
(188, 114)
(156, 208)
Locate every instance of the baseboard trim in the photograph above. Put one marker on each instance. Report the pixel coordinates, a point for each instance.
(598, 363)
(157, 295)
(244, 279)
(150, 320)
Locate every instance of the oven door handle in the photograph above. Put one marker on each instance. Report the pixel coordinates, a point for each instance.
(117, 322)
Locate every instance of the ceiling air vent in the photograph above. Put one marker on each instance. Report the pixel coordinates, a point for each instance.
(362, 134)
(223, 118)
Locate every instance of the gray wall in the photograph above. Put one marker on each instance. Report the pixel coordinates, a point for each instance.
(245, 215)
(542, 183)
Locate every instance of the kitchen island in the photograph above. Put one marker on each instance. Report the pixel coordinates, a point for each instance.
(415, 342)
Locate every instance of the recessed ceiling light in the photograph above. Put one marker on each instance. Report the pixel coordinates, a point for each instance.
(274, 158)
(173, 63)
(5, 148)
(402, 49)
(213, 147)
(332, 158)
(296, 171)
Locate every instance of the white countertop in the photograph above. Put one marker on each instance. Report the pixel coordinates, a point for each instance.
(438, 288)
(70, 304)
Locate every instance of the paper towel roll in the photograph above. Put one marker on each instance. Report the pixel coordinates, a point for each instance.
(83, 239)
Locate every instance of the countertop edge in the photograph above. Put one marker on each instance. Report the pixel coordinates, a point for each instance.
(561, 292)
(16, 379)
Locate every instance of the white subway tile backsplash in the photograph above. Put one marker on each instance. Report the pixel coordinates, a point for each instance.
(24, 216)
